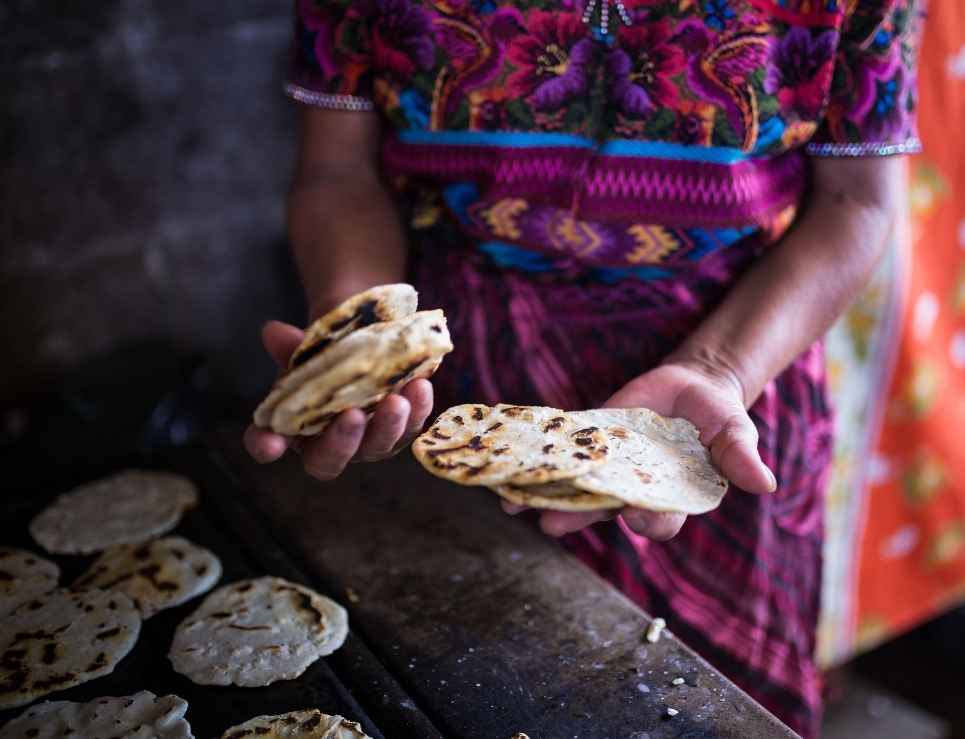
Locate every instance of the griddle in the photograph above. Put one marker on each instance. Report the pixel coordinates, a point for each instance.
(465, 623)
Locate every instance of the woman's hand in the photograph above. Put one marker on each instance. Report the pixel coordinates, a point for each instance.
(351, 436)
(714, 403)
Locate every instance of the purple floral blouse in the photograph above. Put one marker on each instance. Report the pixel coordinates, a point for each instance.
(762, 76)
(640, 139)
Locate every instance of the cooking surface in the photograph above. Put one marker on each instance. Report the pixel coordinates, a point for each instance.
(465, 623)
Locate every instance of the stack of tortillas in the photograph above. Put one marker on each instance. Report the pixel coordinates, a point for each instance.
(352, 357)
(583, 460)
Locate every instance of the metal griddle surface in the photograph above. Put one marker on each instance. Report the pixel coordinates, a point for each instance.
(465, 623)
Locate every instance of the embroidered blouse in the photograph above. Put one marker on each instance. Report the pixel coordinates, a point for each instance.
(662, 139)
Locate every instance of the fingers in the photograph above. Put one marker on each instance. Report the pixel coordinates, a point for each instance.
(733, 447)
(280, 340)
(653, 525)
(325, 456)
(264, 446)
(511, 508)
(387, 425)
(558, 523)
(419, 394)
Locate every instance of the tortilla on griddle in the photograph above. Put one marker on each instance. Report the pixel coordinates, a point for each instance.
(310, 724)
(61, 639)
(255, 632)
(129, 507)
(23, 576)
(474, 444)
(139, 716)
(159, 574)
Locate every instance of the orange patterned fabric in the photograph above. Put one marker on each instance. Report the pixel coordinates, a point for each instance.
(912, 554)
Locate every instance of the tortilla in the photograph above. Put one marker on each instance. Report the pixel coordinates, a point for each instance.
(61, 639)
(508, 444)
(23, 576)
(139, 716)
(556, 496)
(157, 575)
(256, 632)
(377, 305)
(129, 507)
(309, 724)
(655, 463)
(360, 370)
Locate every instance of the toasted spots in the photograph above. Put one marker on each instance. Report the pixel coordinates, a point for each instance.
(597, 459)
(361, 367)
(379, 304)
(257, 632)
(140, 715)
(654, 462)
(310, 724)
(62, 639)
(476, 444)
(24, 576)
(161, 574)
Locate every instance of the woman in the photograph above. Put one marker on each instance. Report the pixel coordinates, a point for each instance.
(663, 203)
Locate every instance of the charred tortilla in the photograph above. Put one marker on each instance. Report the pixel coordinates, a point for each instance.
(507, 444)
(256, 632)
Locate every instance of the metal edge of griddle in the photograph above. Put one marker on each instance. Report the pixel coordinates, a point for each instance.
(356, 665)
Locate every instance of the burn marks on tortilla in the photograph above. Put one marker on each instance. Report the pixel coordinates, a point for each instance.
(365, 315)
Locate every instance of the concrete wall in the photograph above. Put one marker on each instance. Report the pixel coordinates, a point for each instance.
(145, 149)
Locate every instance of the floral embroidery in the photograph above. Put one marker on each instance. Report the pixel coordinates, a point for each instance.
(642, 68)
(763, 76)
(801, 73)
(717, 13)
(552, 61)
(402, 40)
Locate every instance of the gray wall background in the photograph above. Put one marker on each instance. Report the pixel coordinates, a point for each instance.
(145, 149)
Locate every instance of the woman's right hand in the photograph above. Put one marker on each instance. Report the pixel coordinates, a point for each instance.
(352, 436)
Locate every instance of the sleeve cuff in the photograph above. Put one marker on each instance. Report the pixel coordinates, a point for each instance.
(864, 149)
(327, 100)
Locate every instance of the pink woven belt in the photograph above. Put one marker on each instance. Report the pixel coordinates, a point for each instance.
(608, 188)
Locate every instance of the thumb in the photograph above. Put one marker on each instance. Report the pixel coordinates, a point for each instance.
(733, 447)
(280, 340)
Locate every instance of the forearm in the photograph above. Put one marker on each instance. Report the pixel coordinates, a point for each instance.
(346, 237)
(342, 221)
(796, 291)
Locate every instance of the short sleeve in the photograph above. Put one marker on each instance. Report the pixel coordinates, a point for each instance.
(871, 108)
(330, 61)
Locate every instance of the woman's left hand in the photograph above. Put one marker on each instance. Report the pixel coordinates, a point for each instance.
(714, 403)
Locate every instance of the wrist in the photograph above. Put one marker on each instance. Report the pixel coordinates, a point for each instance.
(717, 367)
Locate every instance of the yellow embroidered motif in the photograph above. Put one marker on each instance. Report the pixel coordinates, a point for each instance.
(653, 243)
(798, 133)
(425, 215)
(502, 216)
(573, 236)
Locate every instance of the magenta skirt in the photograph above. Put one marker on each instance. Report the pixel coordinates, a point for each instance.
(740, 585)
